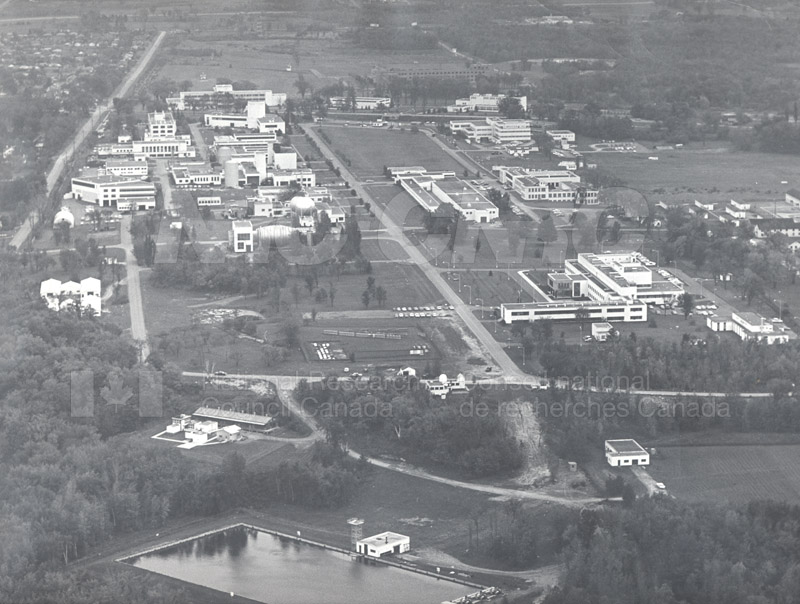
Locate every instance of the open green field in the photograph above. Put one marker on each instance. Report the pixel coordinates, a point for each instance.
(683, 175)
(492, 289)
(735, 474)
(321, 62)
(632, 10)
(398, 204)
(370, 149)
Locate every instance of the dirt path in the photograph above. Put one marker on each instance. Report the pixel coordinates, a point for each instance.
(525, 428)
(546, 576)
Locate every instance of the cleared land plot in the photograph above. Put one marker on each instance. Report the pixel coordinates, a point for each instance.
(718, 174)
(735, 474)
(369, 150)
(321, 62)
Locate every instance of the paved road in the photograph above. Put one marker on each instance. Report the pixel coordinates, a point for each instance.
(464, 311)
(166, 187)
(138, 328)
(24, 231)
(199, 141)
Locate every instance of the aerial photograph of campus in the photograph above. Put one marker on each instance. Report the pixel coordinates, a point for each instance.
(399, 302)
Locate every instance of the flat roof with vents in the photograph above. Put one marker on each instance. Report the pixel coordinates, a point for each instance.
(233, 416)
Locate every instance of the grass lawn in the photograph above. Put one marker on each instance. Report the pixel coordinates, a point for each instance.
(371, 149)
(735, 474)
(713, 174)
(264, 60)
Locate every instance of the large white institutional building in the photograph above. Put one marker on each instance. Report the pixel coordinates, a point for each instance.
(608, 287)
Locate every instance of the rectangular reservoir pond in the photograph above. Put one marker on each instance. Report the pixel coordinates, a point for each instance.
(279, 570)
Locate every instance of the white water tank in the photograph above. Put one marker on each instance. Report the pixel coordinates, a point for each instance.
(232, 174)
(302, 205)
(224, 155)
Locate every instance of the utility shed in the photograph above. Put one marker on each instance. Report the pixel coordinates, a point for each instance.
(383, 544)
(626, 452)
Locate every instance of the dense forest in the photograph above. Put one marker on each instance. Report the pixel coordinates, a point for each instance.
(662, 551)
(71, 481)
(416, 426)
(722, 61)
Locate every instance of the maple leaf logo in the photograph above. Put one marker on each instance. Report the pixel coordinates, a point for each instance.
(116, 393)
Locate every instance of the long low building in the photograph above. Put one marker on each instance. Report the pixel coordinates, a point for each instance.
(528, 312)
(124, 193)
(547, 185)
(430, 191)
(185, 175)
(752, 327)
(127, 167)
(223, 95)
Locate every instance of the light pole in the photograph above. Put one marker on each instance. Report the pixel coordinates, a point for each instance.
(470, 292)
(476, 300)
(458, 276)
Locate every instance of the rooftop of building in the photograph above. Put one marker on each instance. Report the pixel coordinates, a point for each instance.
(625, 446)
(232, 416)
(568, 304)
(386, 538)
(107, 179)
(125, 163)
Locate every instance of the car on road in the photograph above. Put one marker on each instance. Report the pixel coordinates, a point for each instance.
(220, 373)
(587, 338)
(661, 485)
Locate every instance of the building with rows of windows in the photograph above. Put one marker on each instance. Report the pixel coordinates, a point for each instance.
(613, 286)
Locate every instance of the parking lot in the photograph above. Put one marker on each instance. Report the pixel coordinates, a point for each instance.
(422, 312)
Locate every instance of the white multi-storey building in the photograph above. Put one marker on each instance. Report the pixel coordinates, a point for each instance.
(565, 136)
(124, 193)
(509, 131)
(603, 287)
(87, 294)
(474, 130)
(305, 177)
(221, 95)
(547, 185)
(161, 125)
(126, 167)
(242, 236)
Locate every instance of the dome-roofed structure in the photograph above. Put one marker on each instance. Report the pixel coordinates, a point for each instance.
(302, 205)
(64, 216)
(275, 233)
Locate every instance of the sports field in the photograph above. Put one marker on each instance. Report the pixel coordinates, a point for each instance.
(735, 474)
(370, 149)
